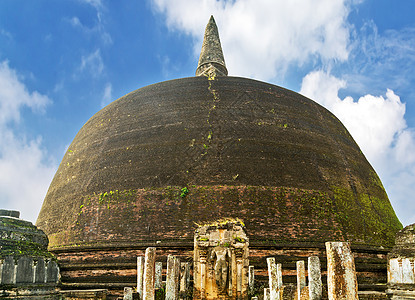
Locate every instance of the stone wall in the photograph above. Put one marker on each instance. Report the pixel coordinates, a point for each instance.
(28, 270)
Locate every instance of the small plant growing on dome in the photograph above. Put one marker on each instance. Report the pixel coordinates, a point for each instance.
(184, 191)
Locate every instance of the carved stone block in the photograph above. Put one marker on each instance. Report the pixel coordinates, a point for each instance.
(314, 278)
(40, 271)
(8, 272)
(221, 261)
(24, 270)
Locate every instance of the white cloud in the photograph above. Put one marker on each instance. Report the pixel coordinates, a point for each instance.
(25, 171)
(107, 96)
(75, 22)
(14, 95)
(261, 38)
(95, 3)
(92, 63)
(372, 121)
(6, 34)
(99, 27)
(378, 125)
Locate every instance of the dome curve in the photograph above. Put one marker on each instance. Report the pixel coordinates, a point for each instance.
(154, 162)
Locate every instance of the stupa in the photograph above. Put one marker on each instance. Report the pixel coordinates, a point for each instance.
(147, 168)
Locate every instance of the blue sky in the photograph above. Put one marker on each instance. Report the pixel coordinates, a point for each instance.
(62, 61)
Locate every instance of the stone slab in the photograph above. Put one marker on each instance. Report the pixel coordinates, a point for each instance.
(149, 272)
(341, 273)
(314, 278)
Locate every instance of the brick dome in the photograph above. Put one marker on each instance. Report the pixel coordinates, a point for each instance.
(162, 158)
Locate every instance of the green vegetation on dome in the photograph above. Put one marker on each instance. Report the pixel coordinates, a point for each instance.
(221, 222)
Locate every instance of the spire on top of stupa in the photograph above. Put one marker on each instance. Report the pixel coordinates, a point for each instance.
(211, 61)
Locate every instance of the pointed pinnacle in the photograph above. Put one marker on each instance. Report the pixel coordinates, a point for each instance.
(211, 61)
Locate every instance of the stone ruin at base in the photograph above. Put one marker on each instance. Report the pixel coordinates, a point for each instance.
(220, 269)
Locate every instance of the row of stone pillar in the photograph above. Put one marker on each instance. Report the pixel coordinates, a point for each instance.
(341, 277)
(149, 277)
(27, 270)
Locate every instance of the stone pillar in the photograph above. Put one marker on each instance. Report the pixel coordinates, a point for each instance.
(301, 283)
(279, 276)
(172, 280)
(140, 276)
(149, 266)
(233, 282)
(184, 280)
(279, 281)
(128, 293)
(315, 287)
(158, 280)
(239, 274)
(341, 273)
(251, 279)
(273, 279)
(202, 273)
(177, 277)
